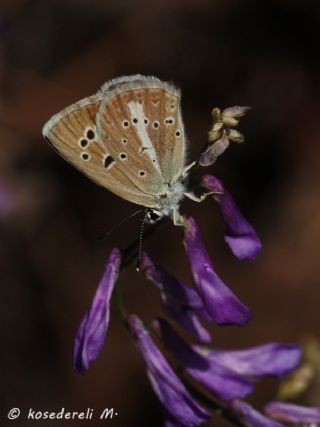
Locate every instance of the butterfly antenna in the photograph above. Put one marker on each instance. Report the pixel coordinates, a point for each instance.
(123, 221)
(141, 239)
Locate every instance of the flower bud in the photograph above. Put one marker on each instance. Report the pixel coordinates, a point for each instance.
(235, 136)
(216, 113)
(213, 135)
(230, 116)
(230, 121)
(217, 126)
(235, 112)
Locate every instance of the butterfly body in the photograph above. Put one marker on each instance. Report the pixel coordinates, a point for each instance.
(128, 138)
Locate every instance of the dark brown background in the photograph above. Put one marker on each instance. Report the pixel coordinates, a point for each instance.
(221, 53)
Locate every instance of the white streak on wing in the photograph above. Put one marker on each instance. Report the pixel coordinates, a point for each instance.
(136, 111)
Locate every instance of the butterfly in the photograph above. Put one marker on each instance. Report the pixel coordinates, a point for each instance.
(129, 138)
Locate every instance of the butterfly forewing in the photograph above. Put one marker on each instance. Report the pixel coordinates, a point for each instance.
(140, 123)
(73, 134)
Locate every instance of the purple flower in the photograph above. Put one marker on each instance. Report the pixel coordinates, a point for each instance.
(179, 406)
(92, 331)
(251, 416)
(229, 374)
(178, 300)
(273, 359)
(240, 236)
(293, 413)
(221, 303)
(221, 381)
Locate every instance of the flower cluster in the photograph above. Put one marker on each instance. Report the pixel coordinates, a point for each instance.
(227, 375)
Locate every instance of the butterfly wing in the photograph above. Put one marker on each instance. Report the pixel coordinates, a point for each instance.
(73, 133)
(139, 120)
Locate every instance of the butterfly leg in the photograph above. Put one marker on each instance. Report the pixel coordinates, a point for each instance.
(177, 218)
(200, 199)
(187, 168)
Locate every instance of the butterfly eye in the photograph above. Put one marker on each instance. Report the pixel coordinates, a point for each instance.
(90, 134)
(123, 156)
(155, 125)
(146, 121)
(125, 124)
(178, 133)
(135, 120)
(142, 173)
(124, 140)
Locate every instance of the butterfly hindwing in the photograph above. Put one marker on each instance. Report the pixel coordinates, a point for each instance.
(73, 133)
(166, 129)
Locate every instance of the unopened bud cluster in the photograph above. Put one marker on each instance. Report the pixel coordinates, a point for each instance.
(222, 132)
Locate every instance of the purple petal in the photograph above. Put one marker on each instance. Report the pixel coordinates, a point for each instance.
(240, 236)
(169, 285)
(269, 359)
(169, 421)
(173, 395)
(188, 320)
(221, 381)
(251, 416)
(178, 300)
(92, 331)
(210, 155)
(221, 303)
(294, 413)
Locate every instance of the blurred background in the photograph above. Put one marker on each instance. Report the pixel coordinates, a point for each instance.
(220, 53)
